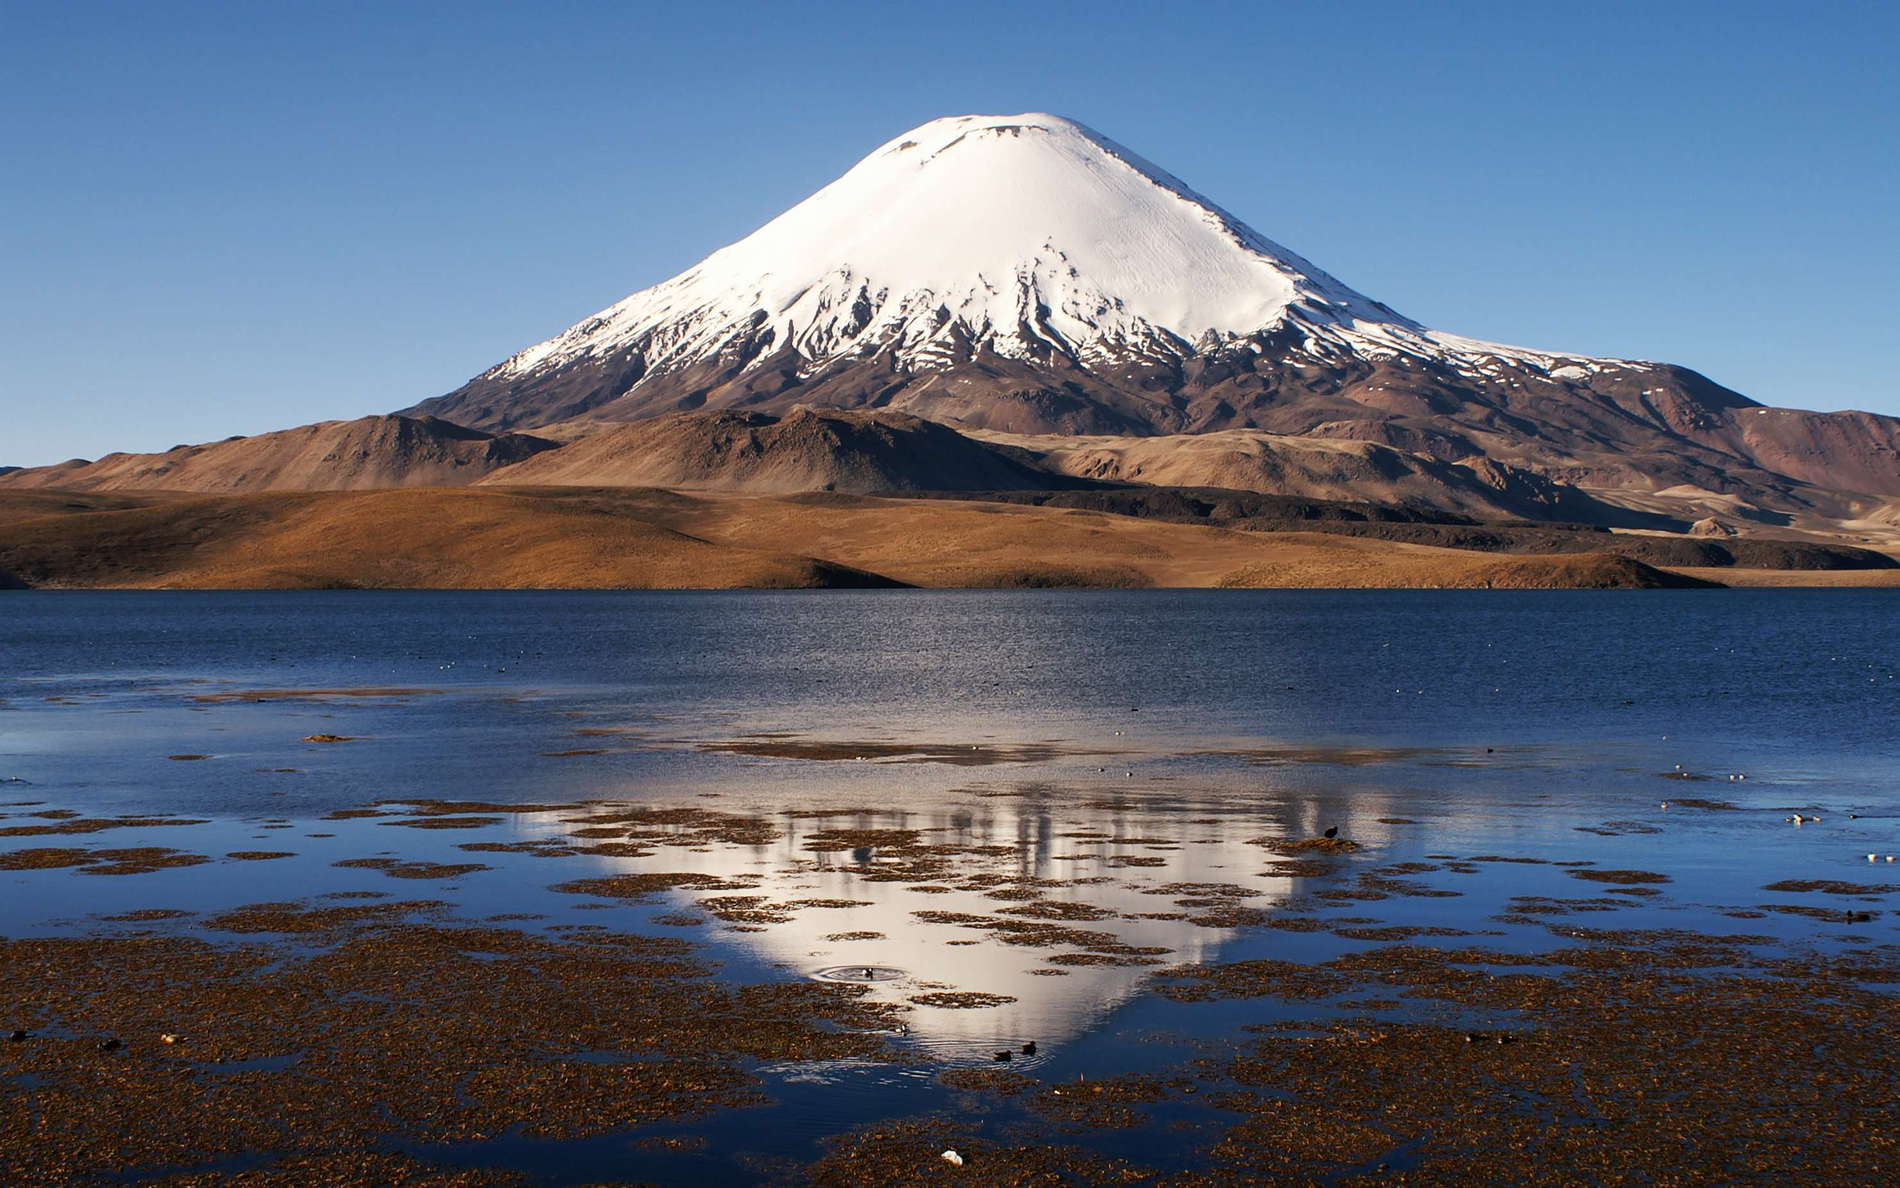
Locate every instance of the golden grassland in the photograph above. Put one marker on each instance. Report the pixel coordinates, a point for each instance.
(642, 538)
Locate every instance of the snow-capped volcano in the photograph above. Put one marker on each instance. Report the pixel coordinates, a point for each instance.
(1026, 275)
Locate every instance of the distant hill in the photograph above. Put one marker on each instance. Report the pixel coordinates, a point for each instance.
(1320, 468)
(367, 453)
(805, 450)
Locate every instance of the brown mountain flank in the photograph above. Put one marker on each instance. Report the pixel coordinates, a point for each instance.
(819, 449)
(1572, 571)
(807, 449)
(635, 538)
(1309, 467)
(1648, 435)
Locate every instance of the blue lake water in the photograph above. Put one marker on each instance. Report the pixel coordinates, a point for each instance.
(1143, 739)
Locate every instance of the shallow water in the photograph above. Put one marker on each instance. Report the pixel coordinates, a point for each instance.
(1114, 745)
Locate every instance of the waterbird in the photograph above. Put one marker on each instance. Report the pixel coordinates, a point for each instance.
(1004, 1056)
(19, 1036)
(170, 1037)
(111, 1045)
(1332, 831)
(952, 1158)
(1029, 1049)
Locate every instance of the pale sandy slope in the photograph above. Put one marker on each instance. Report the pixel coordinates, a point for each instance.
(954, 543)
(1836, 578)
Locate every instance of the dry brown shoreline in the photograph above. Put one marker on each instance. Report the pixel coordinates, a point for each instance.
(635, 538)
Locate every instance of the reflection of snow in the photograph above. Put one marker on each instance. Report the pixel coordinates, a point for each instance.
(1135, 850)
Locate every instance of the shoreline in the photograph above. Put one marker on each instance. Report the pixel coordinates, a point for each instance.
(597, 538)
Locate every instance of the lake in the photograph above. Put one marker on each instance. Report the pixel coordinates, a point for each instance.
(1000, 818)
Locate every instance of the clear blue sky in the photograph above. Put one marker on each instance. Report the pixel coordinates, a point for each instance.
(220, 219)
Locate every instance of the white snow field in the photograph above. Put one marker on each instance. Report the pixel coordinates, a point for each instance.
(1025, 234)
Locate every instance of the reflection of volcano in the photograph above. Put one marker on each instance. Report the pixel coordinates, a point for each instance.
(1063, 907)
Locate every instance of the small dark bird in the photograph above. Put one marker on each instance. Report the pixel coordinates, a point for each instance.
(1332, 831)
(1029, 1049)
(1004, 1057)
(111, 1045)
(1507, 1038)
(1472, 1037)
(18, 1037)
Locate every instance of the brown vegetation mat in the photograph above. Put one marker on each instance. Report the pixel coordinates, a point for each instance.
(954, 754)
(961, 1000)
(1311, 845)
(1628, 877)
(136, 860)
(411, 1032)
(70, 825)
(1639, 1057)
(374, 692)
(397, 869)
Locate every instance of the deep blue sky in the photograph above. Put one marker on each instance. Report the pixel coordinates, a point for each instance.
(221, 219)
